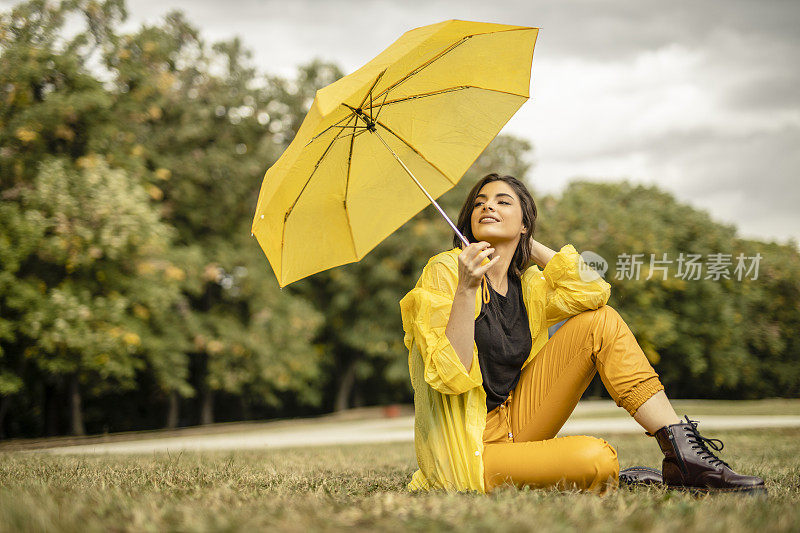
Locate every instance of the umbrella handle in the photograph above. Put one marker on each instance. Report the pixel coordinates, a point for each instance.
(484, 281)
(435, 204)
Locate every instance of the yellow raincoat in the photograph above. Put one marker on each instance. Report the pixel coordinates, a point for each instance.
(449, 402)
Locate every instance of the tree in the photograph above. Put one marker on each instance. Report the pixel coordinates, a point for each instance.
(706, 337)
(67, 242)
(772, 315)
(202, 146)
(153, 111)
(75, 241)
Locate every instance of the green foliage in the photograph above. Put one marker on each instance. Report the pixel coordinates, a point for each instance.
(70, 254)
(706, 337)
(128, 191)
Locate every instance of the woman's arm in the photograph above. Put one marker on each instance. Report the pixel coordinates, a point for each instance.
(460, 329)
(541, 253)
(426, 311)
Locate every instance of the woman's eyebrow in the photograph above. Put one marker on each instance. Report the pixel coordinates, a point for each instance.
(498, 194)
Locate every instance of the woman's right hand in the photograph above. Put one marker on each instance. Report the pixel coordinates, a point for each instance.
(470, 271)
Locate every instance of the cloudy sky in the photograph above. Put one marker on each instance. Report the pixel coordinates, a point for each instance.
(700, 98)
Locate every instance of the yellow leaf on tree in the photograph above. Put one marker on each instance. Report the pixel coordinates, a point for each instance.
(214, 347)
(155, 193)
(131, 339)
(163, 173)
(26, 135)
(154, 112)
(141, 311)
(165, 81)
(174, 273)
(145, 267)
(87, 161)
(64, 132)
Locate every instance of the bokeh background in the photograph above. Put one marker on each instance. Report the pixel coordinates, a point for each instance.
(134, 137)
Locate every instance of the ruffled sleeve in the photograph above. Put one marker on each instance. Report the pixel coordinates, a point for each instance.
(425, 311)
(572, 286)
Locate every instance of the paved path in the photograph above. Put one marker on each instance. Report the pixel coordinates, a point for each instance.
(400, 429)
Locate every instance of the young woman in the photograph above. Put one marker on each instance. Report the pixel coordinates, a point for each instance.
(492, 389)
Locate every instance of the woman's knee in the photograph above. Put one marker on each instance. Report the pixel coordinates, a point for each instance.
(604, 317)
(606, 312)
(603, 312)
(599, 460)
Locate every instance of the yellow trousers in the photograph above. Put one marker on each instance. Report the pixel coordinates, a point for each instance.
(520, 444)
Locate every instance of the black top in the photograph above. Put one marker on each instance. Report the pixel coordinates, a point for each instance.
(503, 338)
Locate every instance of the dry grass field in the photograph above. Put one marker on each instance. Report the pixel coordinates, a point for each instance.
(363, 487)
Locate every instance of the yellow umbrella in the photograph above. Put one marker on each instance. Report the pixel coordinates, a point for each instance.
(379, 145)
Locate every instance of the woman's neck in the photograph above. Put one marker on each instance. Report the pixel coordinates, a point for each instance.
(498, 275)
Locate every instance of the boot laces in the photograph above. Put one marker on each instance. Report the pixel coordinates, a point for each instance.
(701, 444)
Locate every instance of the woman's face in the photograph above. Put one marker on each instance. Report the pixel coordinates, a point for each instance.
(497, 214)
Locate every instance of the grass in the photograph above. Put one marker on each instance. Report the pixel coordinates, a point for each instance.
(363, 487)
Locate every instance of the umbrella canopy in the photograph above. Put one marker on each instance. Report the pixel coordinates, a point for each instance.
(378, 145)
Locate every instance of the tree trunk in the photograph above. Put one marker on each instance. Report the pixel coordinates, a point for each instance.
(358, 398)
(173, 410)
(244, 404)
(52, 409)
(345, 387)
(207, 407)
(76, 414)
(4, 401)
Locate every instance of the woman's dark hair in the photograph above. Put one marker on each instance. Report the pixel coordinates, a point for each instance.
(522, 255)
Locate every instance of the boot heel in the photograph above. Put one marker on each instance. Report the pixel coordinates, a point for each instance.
(640, 476)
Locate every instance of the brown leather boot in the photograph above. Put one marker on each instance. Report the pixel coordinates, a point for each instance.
(689, 464)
